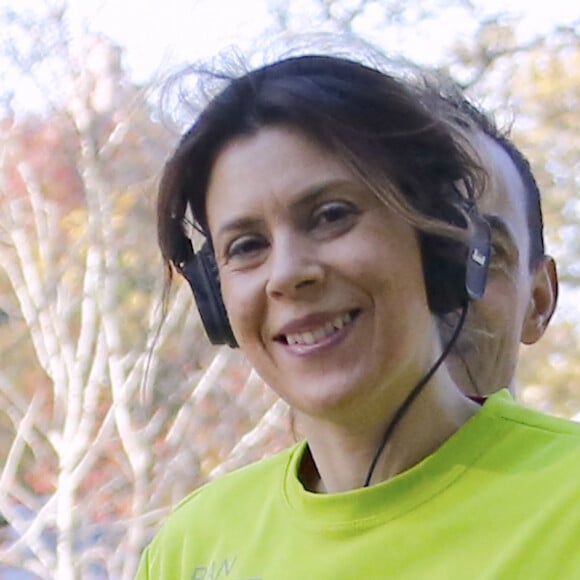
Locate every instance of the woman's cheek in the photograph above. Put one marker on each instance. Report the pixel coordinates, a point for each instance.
(242, 301)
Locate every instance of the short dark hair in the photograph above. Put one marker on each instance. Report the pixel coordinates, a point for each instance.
(452, 95)
(533, 198)
(414, 160)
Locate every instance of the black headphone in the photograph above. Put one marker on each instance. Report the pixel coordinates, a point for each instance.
(201, 271)
(450, 283)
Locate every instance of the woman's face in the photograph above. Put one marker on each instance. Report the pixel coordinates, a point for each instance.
(323, 285)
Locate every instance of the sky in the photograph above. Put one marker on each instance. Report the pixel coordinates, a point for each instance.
(157, 33)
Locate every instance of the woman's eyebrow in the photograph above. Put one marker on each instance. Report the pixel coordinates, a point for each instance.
(303, 199)
(238, 224)
(310, 195)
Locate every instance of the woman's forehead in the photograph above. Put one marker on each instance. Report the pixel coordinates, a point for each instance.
(279, 158)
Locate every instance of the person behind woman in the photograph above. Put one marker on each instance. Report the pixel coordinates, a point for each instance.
(339, 209)
(522, 288)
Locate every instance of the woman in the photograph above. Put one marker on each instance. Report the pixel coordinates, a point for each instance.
(338, 206)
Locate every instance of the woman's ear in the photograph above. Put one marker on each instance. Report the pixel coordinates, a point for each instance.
(543, 300)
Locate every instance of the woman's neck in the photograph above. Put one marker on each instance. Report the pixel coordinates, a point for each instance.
(341, 455)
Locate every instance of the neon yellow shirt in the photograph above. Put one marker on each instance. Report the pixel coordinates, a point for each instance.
(500, 499)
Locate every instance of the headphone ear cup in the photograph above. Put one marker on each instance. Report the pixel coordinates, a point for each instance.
(478, 258)
(201, 272)
(444, 276)
(453, 272)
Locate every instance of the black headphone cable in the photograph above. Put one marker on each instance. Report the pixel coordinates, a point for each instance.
(414, 393)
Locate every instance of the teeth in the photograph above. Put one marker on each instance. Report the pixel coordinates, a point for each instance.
(318, 334)
(309, 338)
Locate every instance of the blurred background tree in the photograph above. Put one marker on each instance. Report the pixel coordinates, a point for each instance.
(108, 419)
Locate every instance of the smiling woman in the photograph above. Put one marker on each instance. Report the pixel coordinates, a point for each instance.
(295, 265)
(338, 205)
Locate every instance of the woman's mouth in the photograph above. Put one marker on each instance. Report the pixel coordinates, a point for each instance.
(320, 333)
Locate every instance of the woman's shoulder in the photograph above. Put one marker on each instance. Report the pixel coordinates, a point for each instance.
(245, 488)
(259, 473)
(229, 503)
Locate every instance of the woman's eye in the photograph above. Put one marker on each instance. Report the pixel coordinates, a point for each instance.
(334, 213)
(245, 246)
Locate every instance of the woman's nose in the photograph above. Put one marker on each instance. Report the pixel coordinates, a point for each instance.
(295, 268)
